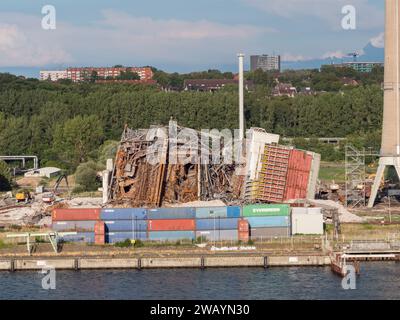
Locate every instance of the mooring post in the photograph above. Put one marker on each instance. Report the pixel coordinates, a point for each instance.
(12, 265)
(265, 262)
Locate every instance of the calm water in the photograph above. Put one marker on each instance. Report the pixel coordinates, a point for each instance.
(377, 281)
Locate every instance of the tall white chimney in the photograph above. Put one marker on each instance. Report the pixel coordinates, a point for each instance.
(241, 96)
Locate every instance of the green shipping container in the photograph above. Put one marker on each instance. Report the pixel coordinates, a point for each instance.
(266, 210)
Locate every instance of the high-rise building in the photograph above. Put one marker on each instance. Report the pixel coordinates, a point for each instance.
(265, 62)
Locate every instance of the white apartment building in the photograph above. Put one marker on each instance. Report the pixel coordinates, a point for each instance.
(53, 75)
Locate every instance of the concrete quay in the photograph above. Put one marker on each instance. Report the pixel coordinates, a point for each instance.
(200, 262)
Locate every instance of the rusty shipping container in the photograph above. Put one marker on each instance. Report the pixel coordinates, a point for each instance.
(243, 226)
(298, 175)
(172, 225)
(243, 236)
(75, 214)
(99, 228)
(99, 239)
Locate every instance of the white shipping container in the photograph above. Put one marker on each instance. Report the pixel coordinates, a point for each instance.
(307, 221)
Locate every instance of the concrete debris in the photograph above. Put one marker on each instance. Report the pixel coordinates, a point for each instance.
(159, 167)
(84, 202)
(344, 215)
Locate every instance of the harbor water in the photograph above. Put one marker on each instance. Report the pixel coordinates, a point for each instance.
(378, 280)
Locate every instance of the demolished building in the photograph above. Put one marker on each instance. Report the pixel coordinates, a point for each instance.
(167, 165)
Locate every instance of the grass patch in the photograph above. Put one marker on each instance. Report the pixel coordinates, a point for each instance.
(124, 244)
(367, 226)
(2, 244)
(332, 171)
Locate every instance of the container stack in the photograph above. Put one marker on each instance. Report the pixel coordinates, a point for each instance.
(217, 223)
(82, 221)
(171, 224)
(122, 224)
(268, 221)
(99, 233)
(243, 230)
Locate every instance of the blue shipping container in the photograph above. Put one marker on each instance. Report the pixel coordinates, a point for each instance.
(218, 235)
(123, 214)
(73, 226)
(126, 225)
(211, 212)
(261, 222)
(113, 237)
(171, 235)
(171, 213)
(87, 237)
(217, 224)
(234, 212)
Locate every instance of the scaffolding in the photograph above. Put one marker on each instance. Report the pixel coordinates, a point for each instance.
(355, 177)
(355, 165)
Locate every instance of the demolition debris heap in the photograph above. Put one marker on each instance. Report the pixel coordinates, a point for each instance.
(163, 166)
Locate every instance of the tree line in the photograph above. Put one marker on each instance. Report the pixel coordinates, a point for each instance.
(66, 124)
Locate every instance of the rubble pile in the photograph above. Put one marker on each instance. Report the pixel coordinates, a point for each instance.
(176, 175)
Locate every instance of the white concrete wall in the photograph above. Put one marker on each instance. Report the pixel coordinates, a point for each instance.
(307, 221)
(258, 140)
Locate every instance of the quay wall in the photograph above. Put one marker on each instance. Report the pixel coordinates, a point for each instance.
(84, 263)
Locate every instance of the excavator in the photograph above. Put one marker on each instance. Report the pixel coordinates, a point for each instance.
(50, 197)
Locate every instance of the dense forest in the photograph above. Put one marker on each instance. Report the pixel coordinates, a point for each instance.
(66, 124)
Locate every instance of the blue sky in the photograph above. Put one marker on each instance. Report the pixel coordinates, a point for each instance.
(181, 35)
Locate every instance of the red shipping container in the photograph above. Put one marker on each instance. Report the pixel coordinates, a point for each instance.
(172, 225)
(99, 228)
(244, 236)
(243, 226)
(99, 239)
(75, 214)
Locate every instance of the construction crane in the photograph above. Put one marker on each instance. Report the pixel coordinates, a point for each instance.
(354, 55)
(50, 197)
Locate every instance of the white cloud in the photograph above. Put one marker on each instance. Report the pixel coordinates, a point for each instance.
(335, 54)
(328, 11)
(172, 29)
(122, 38)
(378, 41)
(294, 58)
(18, 49)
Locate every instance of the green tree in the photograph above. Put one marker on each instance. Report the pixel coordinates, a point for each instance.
(5, 177)
(86, 176)
(77, 137)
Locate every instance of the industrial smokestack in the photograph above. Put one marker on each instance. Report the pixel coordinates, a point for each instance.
(390, 150)
(241, 96)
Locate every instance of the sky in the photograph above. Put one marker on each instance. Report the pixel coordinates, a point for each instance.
(181, 35)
